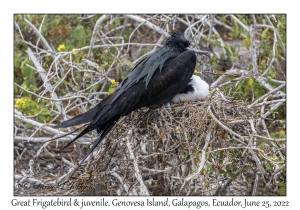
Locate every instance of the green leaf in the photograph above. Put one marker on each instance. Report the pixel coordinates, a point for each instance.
(228, 51)
(117, 22)
(227, 168)
(232, 176)
(222, 171)
(278, 135)
(17, 61)
(143, 51)
(79, 35)
(269, 167)
(265, 33)
(235, 31)
(184, 152)
(282, 188)
(45, 112)
(111, 90)
(28, 72)
(57, 20)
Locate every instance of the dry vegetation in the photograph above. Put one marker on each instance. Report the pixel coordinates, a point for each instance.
(232, 143)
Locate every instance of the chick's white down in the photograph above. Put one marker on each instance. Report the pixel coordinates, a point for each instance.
(200, 91)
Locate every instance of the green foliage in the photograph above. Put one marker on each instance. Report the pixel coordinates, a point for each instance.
(267, 37)
(245, 88)
(17, 61)
(23, 73)
(209, 168)
(30, 107)
(63, 32)
(127, 33)
(214, 62)
(222, 18)
(278, 135)
(281, 27)
(281, 188)
(237, 30)
(231, 54)
(143, 51)
(246, 42)
(214, 40)
(104, 58)
(229, 171)
(112, 86)
(268, 166)
(79, 35)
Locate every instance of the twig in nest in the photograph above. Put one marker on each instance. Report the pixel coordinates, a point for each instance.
(143, 188)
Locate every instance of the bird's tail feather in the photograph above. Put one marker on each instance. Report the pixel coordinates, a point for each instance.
(83, 118)
(86, 130)
(108, 126)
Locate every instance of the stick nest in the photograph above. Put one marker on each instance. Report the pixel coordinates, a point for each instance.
(210, 147)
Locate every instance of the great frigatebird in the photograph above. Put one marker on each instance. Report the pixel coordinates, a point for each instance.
(153, 81)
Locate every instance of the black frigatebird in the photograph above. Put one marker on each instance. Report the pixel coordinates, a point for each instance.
(153, 81)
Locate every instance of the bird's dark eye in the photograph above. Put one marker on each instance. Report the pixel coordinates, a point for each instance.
(181, 45)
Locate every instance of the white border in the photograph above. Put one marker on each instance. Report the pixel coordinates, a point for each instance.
(142, 6)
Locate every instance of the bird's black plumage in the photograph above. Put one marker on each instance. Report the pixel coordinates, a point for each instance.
(154, 81)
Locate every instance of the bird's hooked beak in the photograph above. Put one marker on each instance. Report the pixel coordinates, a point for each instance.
(201, 52)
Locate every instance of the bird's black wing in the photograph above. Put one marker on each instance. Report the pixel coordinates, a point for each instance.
(145, 70)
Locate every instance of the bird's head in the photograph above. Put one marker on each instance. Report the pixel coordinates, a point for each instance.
(178, 42)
